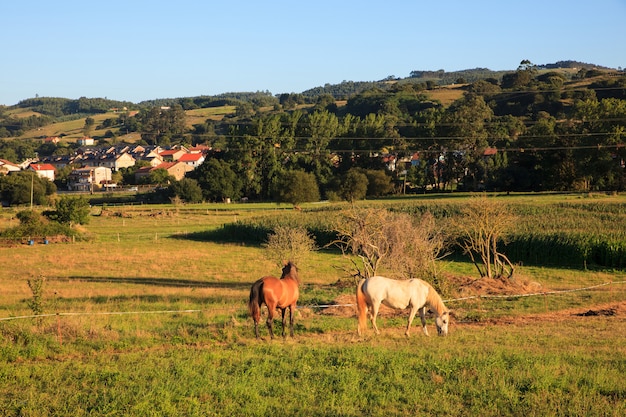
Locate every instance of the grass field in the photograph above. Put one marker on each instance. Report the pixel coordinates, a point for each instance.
(70, 131)
(141, 321)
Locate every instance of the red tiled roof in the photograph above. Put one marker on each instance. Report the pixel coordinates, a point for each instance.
(43, 167)
(190, 157)
(5, 162)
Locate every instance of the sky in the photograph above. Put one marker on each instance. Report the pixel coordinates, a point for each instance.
(136, 50)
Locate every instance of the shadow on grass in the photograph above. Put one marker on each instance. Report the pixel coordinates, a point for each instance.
(159, 282)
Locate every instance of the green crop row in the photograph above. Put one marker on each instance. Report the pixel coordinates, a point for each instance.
(578, 234)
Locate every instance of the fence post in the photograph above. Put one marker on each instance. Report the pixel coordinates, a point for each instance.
(59, 329)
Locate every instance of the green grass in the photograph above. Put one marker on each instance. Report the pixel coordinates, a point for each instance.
(159, 326)
(477, 371)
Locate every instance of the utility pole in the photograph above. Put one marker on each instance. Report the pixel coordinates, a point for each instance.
(32, 183)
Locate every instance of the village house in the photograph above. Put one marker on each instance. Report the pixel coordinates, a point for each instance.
(141, 153)
(200, 149)
(172, 155)
(7, 167)
(52, 139)
(89, 178)
(46, 171)
(175, 169)
(85, 141)
(115, 161)
(194, 160)
(59, 161)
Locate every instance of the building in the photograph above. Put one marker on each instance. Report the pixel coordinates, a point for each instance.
(7, 167)
(175, 169)
(194, 160)
(85, 141)
(172, 155)
(89, 178)
(46, 171)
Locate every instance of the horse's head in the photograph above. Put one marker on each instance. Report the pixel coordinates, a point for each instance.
(290, 270)
(442, 322)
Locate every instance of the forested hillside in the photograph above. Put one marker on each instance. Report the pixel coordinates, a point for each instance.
(532, 129)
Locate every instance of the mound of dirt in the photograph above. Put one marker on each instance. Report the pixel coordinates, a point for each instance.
(601, 312)
(493, 286)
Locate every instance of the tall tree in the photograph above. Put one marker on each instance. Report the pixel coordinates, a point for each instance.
(161, 125)
(217, 180)
(320, 129)
(466, 123)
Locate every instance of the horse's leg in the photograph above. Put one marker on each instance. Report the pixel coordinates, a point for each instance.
(291, 314)
(270, 319)
(423, 319)
(282, 310)
(256, 318)
(373, 314)
(411, 317)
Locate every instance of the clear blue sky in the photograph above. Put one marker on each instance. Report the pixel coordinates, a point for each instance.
(138, 50)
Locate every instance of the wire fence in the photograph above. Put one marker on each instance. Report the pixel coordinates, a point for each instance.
(310, 306)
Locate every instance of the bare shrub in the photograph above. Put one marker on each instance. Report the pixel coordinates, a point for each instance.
(483, 223)
(416, 243)
(288, 243)
(404, 246)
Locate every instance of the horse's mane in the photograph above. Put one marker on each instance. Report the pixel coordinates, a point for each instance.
(290, 270)
(433, 299)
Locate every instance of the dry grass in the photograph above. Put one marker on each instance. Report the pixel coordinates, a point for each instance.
(447, 94)
(198, 116)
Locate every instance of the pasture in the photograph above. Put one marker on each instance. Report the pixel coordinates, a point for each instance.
(141, 320)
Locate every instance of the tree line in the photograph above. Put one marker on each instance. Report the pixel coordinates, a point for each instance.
(530, 130)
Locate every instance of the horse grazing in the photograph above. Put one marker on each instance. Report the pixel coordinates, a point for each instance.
(282, 293)
(414, 293)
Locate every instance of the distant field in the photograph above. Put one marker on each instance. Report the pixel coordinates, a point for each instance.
(72, 130)
(198, 116)
(447, 94)
(68, 131)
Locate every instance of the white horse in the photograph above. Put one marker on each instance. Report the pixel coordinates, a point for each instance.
(414, 293)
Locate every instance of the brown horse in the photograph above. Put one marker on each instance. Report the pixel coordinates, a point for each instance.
(282, 293)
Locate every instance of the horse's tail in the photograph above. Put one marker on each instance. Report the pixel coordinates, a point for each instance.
(361, 304)
(256, 298)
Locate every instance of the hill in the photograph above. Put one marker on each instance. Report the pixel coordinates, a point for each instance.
(40, 117)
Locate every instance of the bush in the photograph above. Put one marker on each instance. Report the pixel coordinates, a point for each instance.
(70, 211)
(32, 225)
(296, 187)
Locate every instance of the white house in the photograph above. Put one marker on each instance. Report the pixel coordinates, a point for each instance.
(8, 167)
(43, 170)
(85, 141)
(89, 178)
(194, 160)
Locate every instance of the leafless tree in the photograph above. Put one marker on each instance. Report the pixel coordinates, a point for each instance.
(483, 224)
(376, 239)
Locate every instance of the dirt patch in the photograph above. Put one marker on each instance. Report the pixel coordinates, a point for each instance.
(601, 312)
(467, 286)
